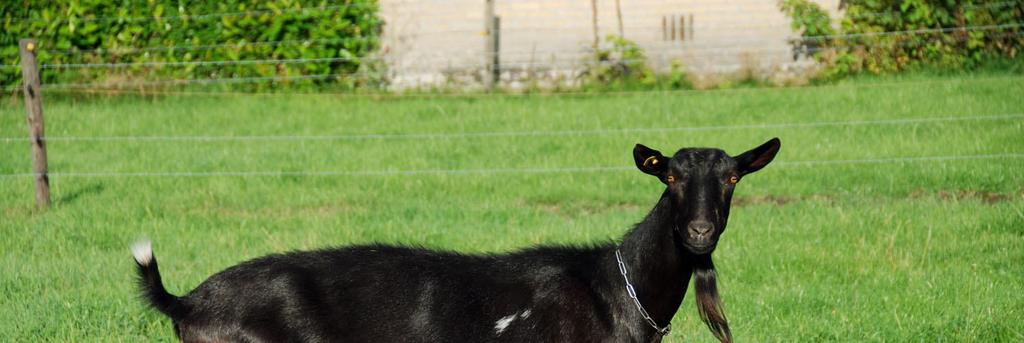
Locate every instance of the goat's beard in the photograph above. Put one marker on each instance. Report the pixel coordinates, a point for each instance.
(709, 305)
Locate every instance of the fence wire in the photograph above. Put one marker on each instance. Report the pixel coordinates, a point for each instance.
(510, 67)
(201, 47)
(429, 95)
(178, 82)
(216, 15)
(576, 55)
(196, 63)
(733, 44)
(548, 170)
(553, 133)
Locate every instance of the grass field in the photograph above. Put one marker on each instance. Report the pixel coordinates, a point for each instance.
(842, 239)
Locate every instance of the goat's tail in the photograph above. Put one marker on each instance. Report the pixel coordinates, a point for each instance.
(150, 284)
(709, 304)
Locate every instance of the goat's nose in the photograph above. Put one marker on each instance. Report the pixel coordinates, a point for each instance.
(700, 228)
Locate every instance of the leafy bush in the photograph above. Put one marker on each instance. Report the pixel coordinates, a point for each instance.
(885, 36)
(811, 21)
(98, 31)
(623, 65)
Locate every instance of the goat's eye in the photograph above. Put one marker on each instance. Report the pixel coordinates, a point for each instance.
(670, 179)
(733, 180)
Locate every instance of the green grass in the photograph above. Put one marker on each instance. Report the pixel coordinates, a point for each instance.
(896, 251)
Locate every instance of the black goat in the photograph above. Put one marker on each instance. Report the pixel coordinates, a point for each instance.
(377, 293)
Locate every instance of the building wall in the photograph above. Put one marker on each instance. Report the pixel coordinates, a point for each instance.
(429, 42)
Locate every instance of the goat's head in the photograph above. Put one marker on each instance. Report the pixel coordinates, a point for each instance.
(700, 182)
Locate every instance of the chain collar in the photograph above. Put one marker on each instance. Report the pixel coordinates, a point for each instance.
(632, 295)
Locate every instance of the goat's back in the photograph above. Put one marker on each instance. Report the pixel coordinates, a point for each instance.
(385, 293)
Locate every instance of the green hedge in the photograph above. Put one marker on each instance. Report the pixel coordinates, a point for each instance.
(101, 31)
(972, 32)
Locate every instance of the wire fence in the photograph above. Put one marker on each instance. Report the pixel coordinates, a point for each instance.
(566, 61)
(534, 133)
(524, 67)
(178, 82)
(731, 44)
(198, 16)
(194, 63)
(435, 95)
(144, 70)
(489, 171)
(573, 53)
(201, 47)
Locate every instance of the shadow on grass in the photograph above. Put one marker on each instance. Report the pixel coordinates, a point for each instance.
(88, 189)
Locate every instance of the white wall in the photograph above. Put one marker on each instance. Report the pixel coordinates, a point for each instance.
(424, 38)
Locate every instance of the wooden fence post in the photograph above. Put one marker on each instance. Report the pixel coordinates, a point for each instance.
(664, 28)
(496, 51)
(593, 23)
(673, 31)
(489, 45)
(682, 27)
(691, 26)
(618, 14)
(34, 111)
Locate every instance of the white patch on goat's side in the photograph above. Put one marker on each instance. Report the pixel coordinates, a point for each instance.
(502, 324)
(142, 250)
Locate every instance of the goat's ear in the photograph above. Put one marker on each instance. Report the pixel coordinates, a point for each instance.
(650, 161)
(755, 159)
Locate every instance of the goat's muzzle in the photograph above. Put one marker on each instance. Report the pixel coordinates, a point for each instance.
(700, 236)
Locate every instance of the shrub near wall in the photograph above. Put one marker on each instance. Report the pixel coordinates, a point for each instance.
(101, 31)
(972, 32)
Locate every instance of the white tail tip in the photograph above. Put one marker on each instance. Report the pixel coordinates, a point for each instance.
(142, 250)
